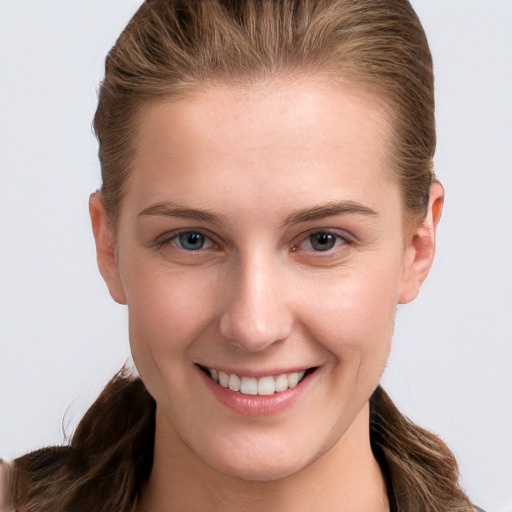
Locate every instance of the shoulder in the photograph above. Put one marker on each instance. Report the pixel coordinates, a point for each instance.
(5, 487)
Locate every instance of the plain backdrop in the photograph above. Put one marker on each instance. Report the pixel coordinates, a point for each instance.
(62, 337)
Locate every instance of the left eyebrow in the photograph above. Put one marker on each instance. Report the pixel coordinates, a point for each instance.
(328, 210)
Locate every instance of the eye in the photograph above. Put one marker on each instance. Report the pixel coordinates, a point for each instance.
(322, 241)
(190, 241)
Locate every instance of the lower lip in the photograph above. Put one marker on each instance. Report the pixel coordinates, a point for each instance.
(257, 405)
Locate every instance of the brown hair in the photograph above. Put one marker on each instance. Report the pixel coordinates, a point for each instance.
(173, 48)
(111, 454)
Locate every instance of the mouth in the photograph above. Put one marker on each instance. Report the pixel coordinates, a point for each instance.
(263, 386)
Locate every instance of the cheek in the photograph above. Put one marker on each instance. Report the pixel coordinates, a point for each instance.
(356, 302)
(167, 313)
(352, 315)
(167, 310)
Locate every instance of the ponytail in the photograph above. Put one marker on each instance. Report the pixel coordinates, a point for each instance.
(110, 455)
(424, 471)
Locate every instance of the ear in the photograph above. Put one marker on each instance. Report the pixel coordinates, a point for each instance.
(106, 247)
(420, 247)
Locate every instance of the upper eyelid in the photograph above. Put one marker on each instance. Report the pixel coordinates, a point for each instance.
(168, 236)
(346, 238)
(215, 239)
(337, 232)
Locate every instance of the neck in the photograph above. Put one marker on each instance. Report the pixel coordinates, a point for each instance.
(345, 478)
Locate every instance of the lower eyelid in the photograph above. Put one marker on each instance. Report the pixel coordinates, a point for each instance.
(340, 240)
(173, 239)
(208, 243)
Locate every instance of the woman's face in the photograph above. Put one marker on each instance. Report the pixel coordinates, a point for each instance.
(261, 241)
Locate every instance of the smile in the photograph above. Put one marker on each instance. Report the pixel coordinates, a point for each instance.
(267, 385)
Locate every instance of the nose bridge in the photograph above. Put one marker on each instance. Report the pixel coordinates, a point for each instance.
(256, 315)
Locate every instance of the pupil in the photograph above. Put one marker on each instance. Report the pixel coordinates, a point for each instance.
(192, 241)
(322, 241)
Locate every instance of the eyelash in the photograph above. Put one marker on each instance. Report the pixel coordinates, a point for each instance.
(340, 240)
(170, 240)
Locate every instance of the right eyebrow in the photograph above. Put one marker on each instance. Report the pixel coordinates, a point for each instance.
(166, 209)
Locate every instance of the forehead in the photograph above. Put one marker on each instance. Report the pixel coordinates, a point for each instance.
(304, 132)
(299, 105)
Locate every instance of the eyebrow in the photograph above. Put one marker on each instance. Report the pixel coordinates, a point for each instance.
(332, 208)
(184, 212)
(329, 209)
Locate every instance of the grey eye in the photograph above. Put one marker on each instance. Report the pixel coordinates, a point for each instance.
(322, 241)
(192, 241)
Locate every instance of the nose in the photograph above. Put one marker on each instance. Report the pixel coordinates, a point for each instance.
(256, 314)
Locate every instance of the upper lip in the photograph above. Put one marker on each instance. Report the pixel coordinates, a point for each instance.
(251, 372)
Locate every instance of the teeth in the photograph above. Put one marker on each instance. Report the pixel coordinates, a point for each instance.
(234, 382)
(223, 379)
(294, 378)
(251, 386)
(248, 386)
(281, 383)
(266, 386)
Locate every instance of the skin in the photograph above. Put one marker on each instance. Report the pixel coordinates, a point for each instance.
(258, 172)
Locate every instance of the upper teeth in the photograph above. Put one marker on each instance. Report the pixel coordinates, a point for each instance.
(252, 386)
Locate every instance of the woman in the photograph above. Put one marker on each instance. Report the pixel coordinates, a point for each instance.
(268, 199)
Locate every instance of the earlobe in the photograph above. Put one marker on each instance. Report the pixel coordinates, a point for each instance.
(106, 248)
(421, 247)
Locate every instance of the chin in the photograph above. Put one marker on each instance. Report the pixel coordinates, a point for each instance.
(259, 472)
(260, 465)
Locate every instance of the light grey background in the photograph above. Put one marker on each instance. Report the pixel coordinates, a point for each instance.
(62, 337)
